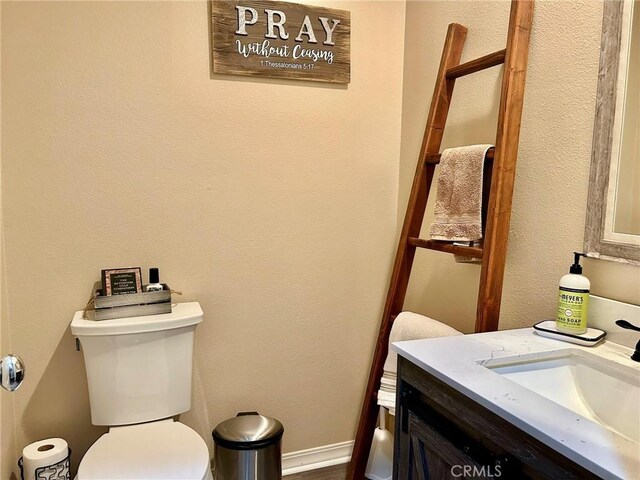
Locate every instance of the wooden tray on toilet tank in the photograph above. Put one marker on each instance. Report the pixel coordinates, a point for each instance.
(107, 307)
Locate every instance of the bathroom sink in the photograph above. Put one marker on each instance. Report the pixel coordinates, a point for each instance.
(598, 389)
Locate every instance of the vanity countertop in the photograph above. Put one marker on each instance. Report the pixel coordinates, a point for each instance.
(460, 361)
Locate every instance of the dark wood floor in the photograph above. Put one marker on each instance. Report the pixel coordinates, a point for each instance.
(338, 472)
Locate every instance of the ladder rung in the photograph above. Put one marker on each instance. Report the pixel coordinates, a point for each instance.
(491, 60)
(434, 159)
(448, 247)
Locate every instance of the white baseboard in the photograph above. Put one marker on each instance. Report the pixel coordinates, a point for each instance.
(318, 457)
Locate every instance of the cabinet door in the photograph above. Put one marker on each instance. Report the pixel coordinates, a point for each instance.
(433, 457)
(443, 434)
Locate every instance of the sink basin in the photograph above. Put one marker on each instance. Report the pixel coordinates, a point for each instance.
(598, 389)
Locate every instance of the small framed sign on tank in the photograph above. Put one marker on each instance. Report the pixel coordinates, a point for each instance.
(119, 281)
(280, 39)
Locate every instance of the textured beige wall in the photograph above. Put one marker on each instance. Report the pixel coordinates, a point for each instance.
(7, 420)
(272, 203)
(553, 167)
(8, 455)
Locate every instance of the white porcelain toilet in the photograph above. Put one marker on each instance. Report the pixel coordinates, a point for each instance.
(139, 375)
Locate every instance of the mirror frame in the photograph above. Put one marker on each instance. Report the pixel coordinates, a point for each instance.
(595, 245)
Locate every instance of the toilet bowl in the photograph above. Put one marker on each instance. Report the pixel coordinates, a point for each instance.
(155, 451)
(139, 374)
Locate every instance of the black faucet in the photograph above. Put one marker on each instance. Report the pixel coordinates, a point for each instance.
(630, 326)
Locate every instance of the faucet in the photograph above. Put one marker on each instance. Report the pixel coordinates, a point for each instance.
(630, 326)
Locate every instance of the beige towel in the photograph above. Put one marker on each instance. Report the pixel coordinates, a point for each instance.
(412, 326)
(458, 209)
(407, 326)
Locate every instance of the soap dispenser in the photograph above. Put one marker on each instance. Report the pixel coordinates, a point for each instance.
(573, 300)
(154, 281)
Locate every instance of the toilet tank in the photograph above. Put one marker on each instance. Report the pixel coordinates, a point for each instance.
(139, 368)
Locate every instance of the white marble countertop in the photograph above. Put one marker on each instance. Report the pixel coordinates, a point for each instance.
(455, 361)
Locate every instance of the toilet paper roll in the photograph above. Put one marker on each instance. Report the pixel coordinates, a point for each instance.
(43, 454)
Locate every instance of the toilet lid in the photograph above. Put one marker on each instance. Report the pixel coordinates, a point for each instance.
(158, 450)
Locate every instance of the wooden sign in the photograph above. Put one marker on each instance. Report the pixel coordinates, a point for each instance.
(119, 281)
(280, 39)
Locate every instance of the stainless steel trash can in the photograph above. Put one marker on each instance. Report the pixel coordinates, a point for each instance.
(248, 447)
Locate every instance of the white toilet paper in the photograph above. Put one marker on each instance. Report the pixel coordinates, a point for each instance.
(42, 454)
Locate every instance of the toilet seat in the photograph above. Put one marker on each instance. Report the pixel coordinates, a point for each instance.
(158, 450)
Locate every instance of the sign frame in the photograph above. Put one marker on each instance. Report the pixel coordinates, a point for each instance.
(121, 281)
(269, 38)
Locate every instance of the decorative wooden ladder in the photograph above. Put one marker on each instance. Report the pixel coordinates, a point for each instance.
(496, 199)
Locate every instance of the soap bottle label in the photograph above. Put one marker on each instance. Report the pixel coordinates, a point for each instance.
(572, 309)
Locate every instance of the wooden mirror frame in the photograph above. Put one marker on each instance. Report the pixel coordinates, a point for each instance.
(595, 244)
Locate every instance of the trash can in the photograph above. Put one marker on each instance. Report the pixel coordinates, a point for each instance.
(248, 447)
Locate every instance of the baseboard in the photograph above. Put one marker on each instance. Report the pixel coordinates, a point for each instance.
(318, 457)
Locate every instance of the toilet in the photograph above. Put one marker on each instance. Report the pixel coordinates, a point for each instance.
(139, 375)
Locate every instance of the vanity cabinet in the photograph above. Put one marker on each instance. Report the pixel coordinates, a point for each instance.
(442, 434)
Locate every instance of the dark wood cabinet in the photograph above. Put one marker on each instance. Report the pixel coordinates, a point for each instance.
(442, 434)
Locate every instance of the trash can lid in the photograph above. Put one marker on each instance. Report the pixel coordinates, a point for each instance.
(248, 431)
